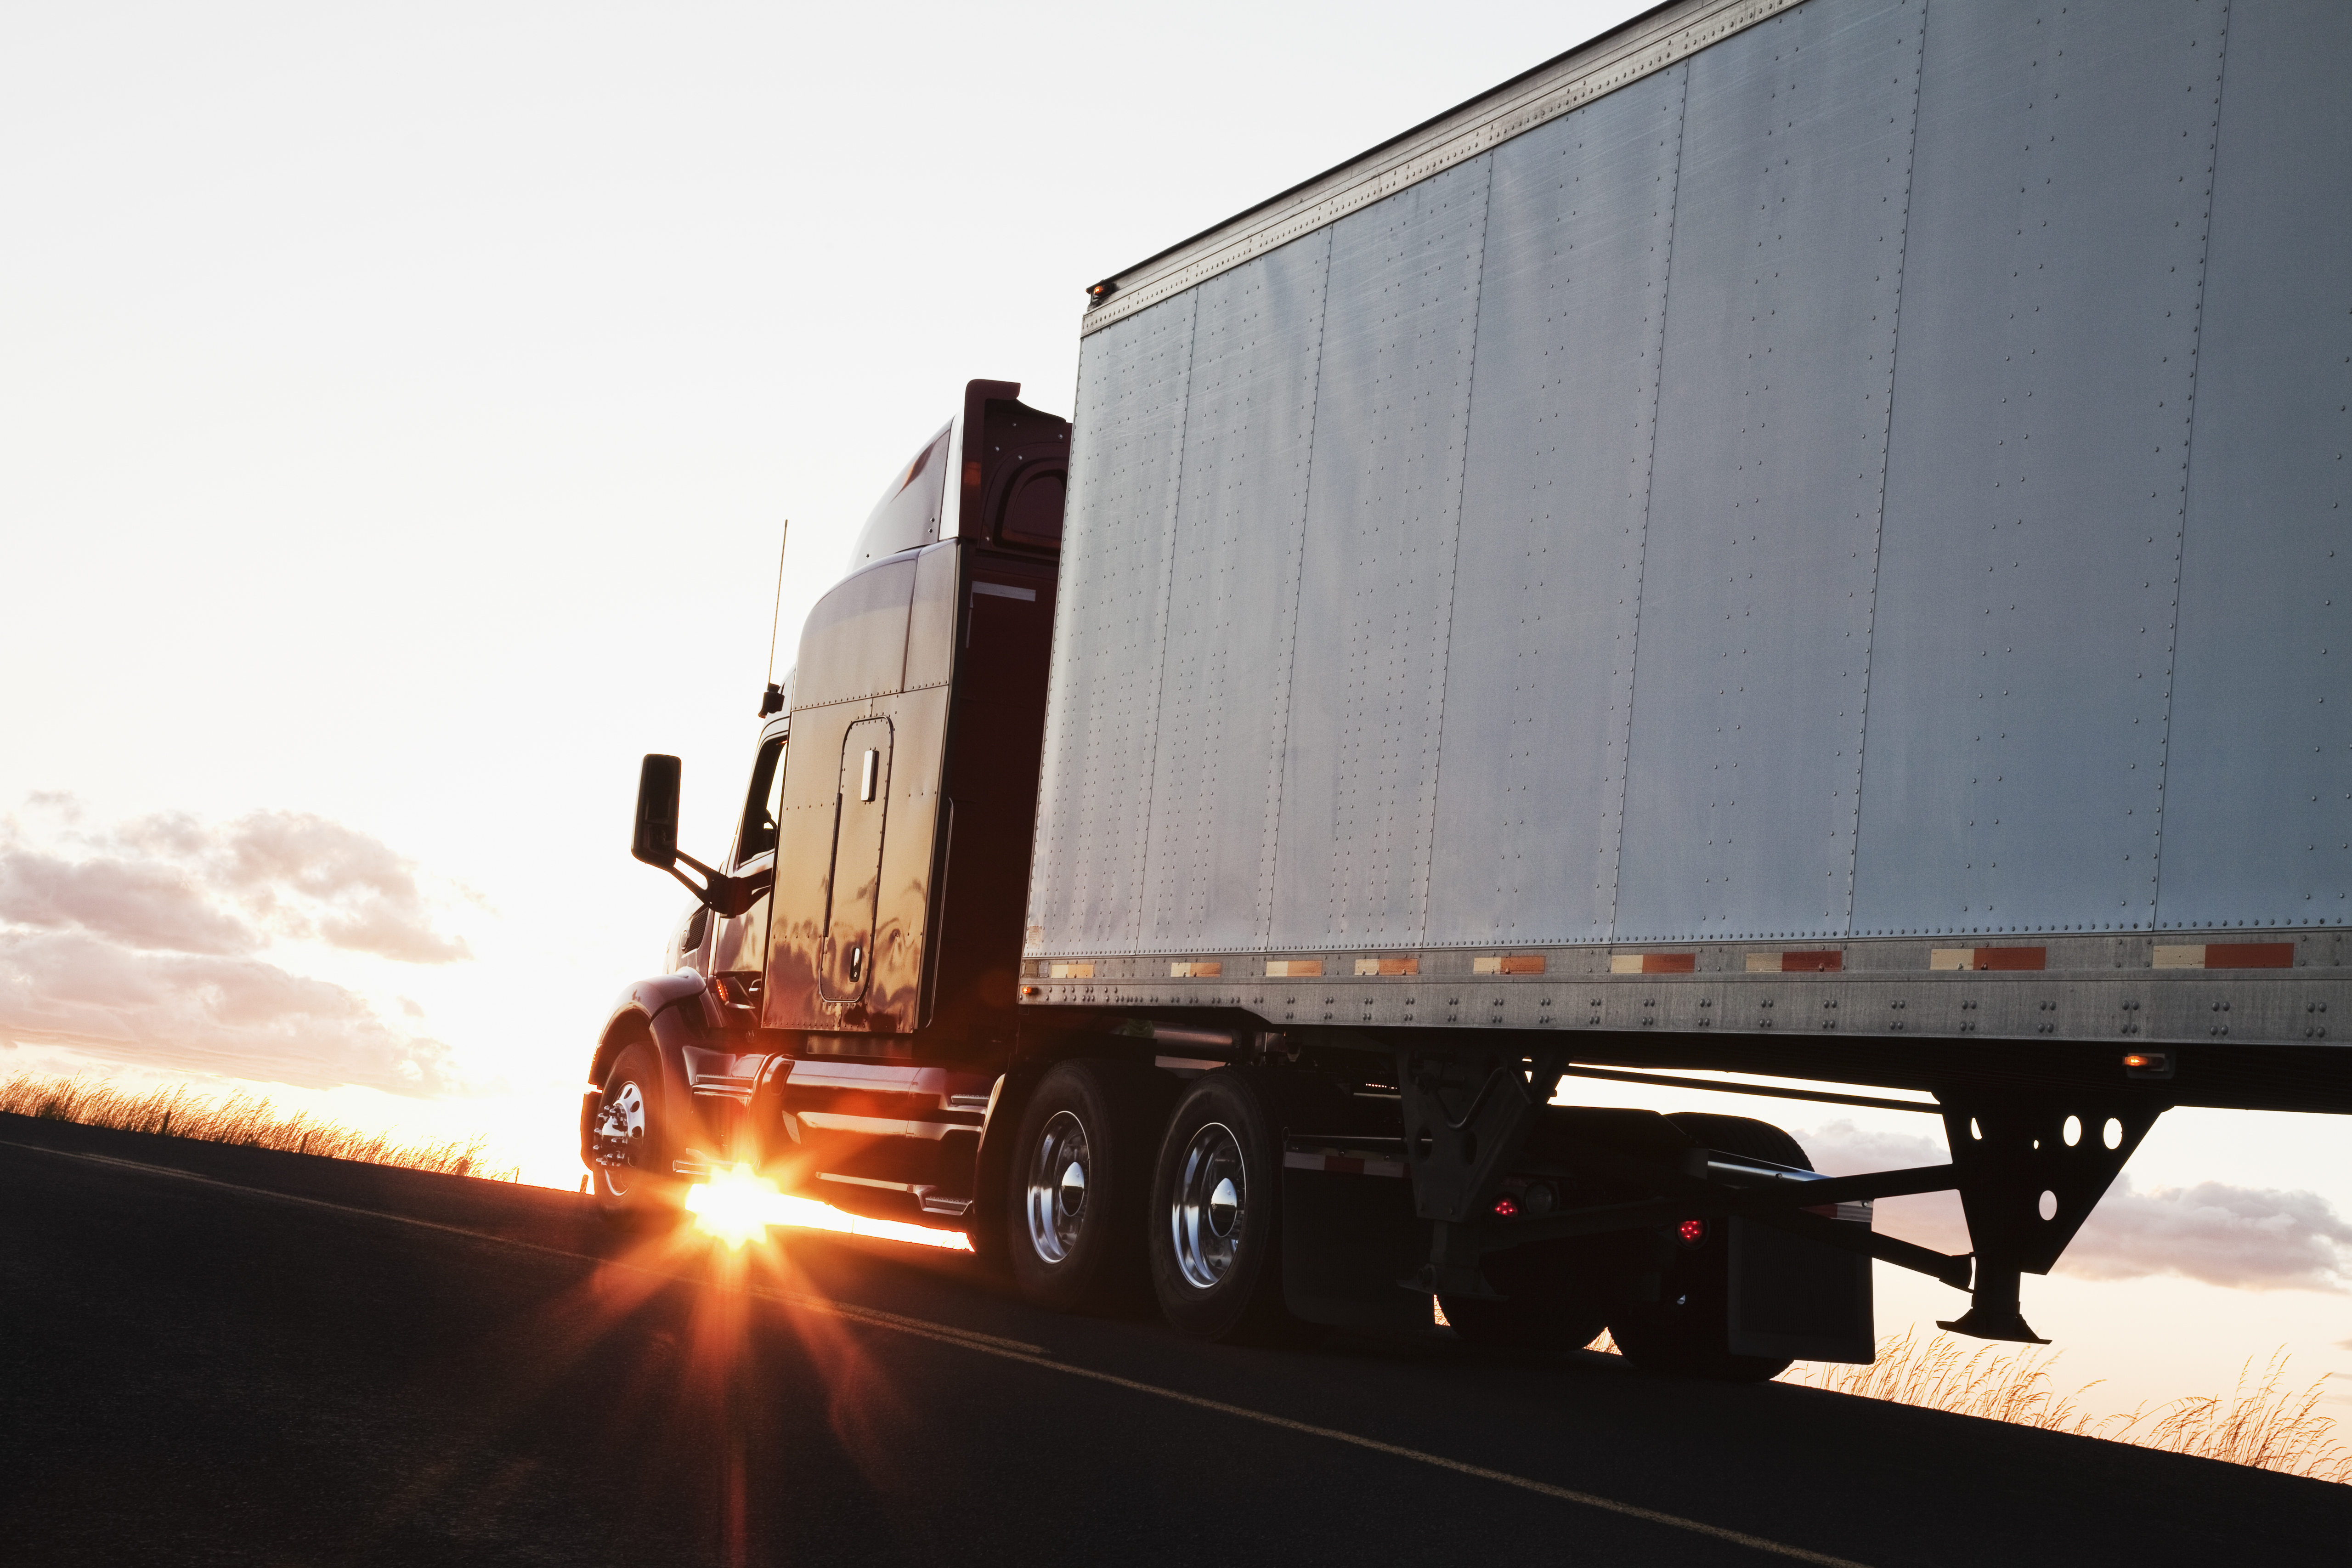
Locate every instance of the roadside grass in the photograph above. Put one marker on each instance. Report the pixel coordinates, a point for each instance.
(238, 1116)
(2265, 1421)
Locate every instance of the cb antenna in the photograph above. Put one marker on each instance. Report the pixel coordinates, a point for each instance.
(772, 700)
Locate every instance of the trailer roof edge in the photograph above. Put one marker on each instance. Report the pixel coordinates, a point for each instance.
(1651, 42)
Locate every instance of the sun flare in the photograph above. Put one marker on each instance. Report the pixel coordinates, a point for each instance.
(737, 1205)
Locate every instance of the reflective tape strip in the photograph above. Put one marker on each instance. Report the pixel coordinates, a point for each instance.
(1795, 962)
(1072, 972)
(1293, 968)
(1988, 958)
(1653, 962)
(1388, 967)
(1195, 969)
(2227, 955)
(1342, 1164)
(1508, 963)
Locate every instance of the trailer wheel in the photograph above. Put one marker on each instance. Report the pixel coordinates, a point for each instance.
(1080, 1174)
(633, 1179)
(1215, 1228)
(1682, 1333)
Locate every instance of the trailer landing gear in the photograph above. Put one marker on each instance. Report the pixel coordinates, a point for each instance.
(2029, 1173)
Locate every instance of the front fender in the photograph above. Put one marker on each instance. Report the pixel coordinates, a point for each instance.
(670, 1012)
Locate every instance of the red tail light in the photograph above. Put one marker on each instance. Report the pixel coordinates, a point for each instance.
(1505, 1206)
(1691, 1232)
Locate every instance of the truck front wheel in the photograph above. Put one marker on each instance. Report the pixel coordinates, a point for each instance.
(1215, 1236)
(1080, 1172)
(633, 1180)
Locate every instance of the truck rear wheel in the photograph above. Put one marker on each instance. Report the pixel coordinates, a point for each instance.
(1215, 1227)
(631, 1160)
(1080, 1174)
(1683, 1332)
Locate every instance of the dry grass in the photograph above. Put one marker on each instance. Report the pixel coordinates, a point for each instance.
(235, 1118)
(2010, 1384)
(2273, 1426)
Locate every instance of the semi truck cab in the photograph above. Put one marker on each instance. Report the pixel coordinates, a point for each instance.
(850, 968)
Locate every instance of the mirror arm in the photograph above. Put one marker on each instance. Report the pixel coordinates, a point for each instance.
(722, 894)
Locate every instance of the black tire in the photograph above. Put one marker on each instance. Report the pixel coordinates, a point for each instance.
(1682, 1333)
(641, 1188)
(1215, 1236)
(1522, 1322)
(1076, 1245)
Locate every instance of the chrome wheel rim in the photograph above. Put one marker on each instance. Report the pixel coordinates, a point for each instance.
(620, 1132)
(1207, 1209)
(1061, 1172)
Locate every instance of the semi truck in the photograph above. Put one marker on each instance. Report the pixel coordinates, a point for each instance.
(1797, 540)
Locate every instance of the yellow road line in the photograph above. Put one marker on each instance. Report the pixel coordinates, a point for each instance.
(1028, 1354)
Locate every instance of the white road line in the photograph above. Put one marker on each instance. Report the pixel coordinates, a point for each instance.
(1015, 1351)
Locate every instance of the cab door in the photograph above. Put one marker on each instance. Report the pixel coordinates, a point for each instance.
(845, 956)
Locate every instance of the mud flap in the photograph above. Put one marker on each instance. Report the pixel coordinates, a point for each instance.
(1793, 1297)
(1348, 1236)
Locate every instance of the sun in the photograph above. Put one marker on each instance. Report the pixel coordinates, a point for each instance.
(735, 1205)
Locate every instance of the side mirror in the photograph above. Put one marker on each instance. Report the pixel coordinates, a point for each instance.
(655, 842)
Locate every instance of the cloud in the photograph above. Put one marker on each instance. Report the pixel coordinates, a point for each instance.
(1841, 1149)
(2256, 1238)
(200, 1013)
(2250, 1238)
(173, 883)
(305, 876)
(153, 942)
(153, 905)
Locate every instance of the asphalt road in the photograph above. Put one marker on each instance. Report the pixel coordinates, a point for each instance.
(230, 1355)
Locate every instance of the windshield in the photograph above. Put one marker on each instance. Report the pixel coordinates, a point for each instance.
(763, 809)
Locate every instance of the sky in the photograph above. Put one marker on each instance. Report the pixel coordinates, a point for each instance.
(400, 409)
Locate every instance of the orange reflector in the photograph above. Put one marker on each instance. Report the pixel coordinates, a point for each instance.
(1653, 962)
(2250, 955)
(1988, 958)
